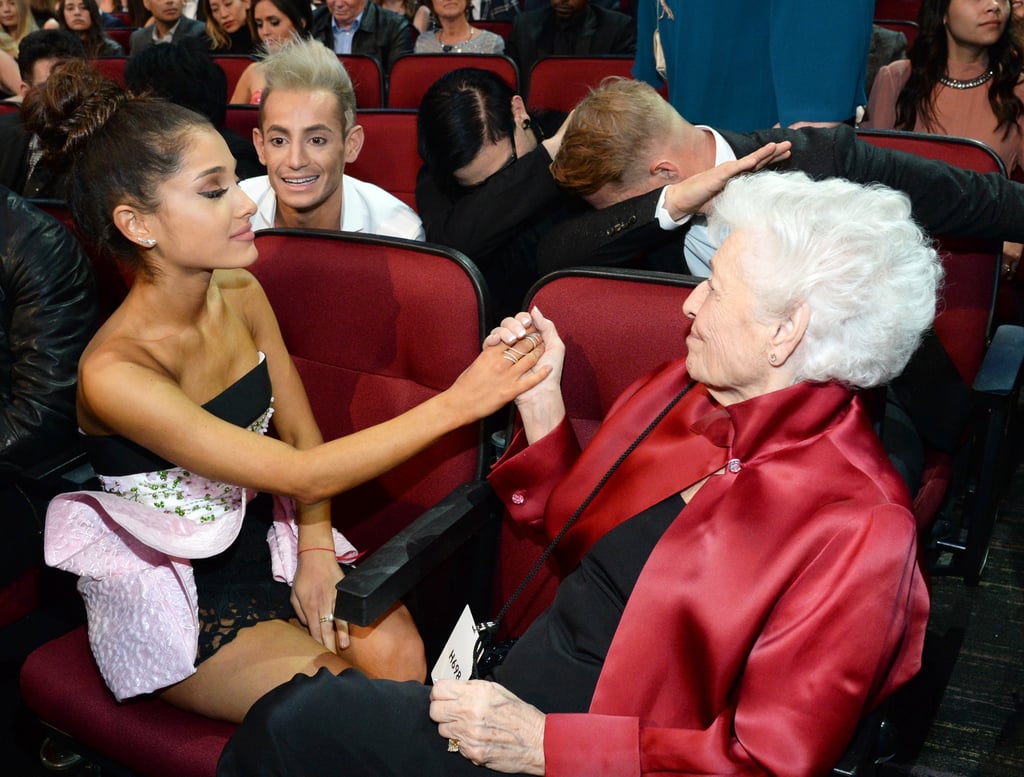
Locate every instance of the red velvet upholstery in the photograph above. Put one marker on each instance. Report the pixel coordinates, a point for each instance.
(617, 325)
(6, 107)
(964, 318)
(374, 326)
(389, 158)
(412, 74)
(233, 66)
(242, 119)
(19, 597)
(498, 28)
(112, 67)
(559, 82)
(367, 79)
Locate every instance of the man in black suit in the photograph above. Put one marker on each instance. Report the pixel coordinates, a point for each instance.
(170, 25)
(362, 27)
(570, 27)
(649, 175)
(22, 169)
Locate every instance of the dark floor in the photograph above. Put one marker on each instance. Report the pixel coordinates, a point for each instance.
(963, 716)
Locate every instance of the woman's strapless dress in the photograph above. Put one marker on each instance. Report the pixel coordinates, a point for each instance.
(168, 569)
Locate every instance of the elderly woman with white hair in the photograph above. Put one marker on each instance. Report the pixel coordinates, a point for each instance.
(742, 587)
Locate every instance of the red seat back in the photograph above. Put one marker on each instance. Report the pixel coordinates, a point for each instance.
(233, 66)
(897, 9)
(376, 326)
(617, 325)
(412, 74)
(243, 119)
(121, 35)
(964, 317)
(367, 79)
(112, 68)
(559, 82)
(389, 158)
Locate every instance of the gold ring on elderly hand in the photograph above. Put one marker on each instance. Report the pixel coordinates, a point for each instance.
(510, 357)
(453, 745)
(327, 618)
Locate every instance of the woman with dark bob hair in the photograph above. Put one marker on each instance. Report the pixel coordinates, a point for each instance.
(741, 583)
(175, 392)
(484, 187)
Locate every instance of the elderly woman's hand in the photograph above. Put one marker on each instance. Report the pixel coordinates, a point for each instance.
(693, 194)
(490, 725)
(540, 407)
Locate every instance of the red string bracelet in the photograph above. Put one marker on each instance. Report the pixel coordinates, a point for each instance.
(305, 549)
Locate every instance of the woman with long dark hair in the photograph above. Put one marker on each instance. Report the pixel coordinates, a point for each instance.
(963, 78)
(82, 17)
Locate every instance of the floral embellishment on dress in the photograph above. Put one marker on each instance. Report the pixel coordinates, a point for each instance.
(177, 491)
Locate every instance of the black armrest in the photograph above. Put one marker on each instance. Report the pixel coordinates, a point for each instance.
(1000, 372)
(396, 567)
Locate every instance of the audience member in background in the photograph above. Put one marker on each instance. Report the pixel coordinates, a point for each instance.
(963, 78)
(49, 314)
(183, 379)
(495, 10)
(184, 73)
(16, 21)
(570, 27)
(454, 34)
(227, 26)
(22, 169)
(276, 22)
(169, 26)
(485, 187)
(379, 33)
(789, 61)
(82, 17)
(417, 13)
(307, 134)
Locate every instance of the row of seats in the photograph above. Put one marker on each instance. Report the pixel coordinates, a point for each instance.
(556, 83)
(416, 516)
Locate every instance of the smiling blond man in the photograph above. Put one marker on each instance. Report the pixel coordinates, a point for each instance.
(307, 133)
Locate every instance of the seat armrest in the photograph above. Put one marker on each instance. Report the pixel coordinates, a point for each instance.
(1000, 372)
(398, 565)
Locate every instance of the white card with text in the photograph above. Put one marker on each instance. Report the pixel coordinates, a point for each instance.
(456, 660)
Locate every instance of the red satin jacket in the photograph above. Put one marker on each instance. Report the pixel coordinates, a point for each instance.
(782, 606)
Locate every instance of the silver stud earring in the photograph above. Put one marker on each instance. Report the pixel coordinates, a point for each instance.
(772, 358)
(147, 241)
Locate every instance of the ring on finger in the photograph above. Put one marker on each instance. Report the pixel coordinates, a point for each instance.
(535, 338)
(453, 745)
(511, 357)
(327, 618)
(518, 353)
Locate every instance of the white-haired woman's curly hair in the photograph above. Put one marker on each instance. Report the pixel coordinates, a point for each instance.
(852, 253)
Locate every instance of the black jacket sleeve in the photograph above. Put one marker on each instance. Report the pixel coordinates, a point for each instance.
(48, 312)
